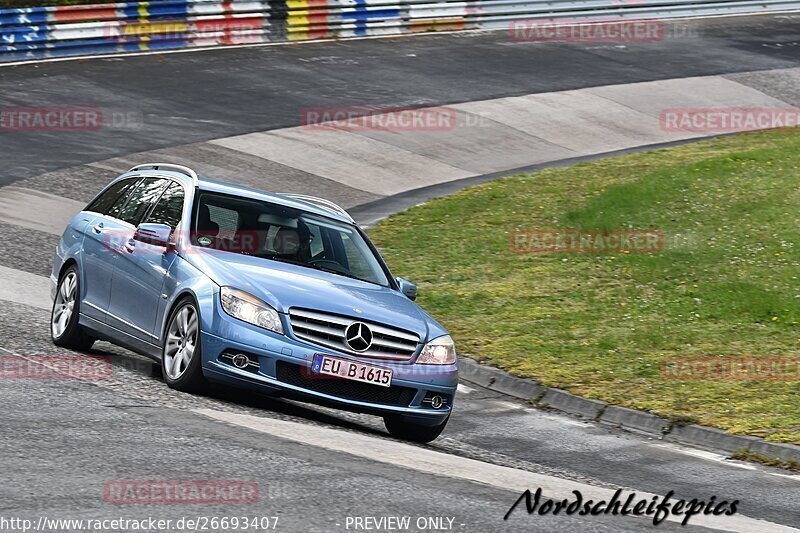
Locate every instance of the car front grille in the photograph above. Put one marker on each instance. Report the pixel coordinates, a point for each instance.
(343, 388)
(328, 330)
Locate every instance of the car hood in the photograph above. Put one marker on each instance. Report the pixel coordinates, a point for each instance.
(283, 286)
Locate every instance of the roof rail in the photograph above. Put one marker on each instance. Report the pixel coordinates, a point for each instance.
(168, 166)
(321, 202)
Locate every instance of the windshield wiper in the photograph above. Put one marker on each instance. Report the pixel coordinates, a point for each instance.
(285, 260)
(311, 265)
(334, 271)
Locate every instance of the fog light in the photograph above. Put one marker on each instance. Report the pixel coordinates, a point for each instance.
(240, 361)
(435, 400)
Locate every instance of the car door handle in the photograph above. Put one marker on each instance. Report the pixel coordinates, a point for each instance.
(98, 228)
(130, 246)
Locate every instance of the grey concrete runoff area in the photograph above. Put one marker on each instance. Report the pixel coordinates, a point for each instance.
(640, 422)
(238, 115)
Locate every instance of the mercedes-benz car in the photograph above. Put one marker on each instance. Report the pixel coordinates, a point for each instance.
(281, 293)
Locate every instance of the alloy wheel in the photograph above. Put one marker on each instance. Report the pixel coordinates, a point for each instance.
(181, 342)
(64, 304)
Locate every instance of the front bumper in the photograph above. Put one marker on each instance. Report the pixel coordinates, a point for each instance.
(284, 366)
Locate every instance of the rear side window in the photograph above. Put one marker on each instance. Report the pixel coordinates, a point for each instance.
(228, 220)
(169, 208)
(103, 203)
(140, 200)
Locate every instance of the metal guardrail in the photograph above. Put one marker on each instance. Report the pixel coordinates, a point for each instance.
(43, 32)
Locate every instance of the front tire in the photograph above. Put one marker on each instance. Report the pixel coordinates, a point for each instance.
(400, 429)
(181, 356)
(64, 328)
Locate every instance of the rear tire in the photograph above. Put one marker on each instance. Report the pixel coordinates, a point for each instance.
(182, 355)
(64, 328)
(400, 429)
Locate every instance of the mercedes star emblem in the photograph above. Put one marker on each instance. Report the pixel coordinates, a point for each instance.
(358, 336)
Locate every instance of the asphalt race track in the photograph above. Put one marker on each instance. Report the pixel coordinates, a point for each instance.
(193, 97)
(64, 439)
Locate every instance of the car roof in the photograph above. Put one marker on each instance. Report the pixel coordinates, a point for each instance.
(310, 204)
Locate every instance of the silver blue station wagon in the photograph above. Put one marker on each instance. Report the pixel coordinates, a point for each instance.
(280, 293)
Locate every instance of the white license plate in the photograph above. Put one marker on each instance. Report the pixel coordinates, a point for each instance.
(347, 369)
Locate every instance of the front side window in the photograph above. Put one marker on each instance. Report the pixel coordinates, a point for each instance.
(169, 208)
(103, 203)
(280, 233)
(140, 200)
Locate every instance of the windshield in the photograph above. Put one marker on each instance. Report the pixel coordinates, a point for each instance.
(279, 233)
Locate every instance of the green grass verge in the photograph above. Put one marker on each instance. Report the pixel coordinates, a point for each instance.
(725, 284)
(777, 462)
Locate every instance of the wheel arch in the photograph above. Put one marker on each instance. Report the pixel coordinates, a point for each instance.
(70, 262)
(65, 265)
(178, 299)
(184, 280)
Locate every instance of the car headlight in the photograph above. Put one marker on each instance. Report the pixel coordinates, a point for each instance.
(439, 351)
(250, 309)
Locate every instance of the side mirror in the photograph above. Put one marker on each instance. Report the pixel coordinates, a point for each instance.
(155, 234)
(407, 288)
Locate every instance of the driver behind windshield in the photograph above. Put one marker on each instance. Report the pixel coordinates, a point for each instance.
(289, 244)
